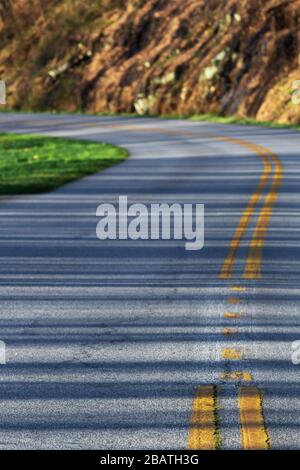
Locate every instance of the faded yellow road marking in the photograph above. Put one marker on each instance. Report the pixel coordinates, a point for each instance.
(237, 375)
(229, 331)
(232, 354)
(233, 300)
(233, 315)
(253, 263)
(203, 434)
(238, 288)
(255, 436)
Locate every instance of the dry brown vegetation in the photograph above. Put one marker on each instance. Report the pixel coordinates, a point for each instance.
(152, 56)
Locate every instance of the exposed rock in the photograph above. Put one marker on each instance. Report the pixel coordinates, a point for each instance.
(184, 56)
(144, 104)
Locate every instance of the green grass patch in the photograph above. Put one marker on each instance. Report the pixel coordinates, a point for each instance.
(209, 117)
(32, 164)
(242, 121)
(215, 118)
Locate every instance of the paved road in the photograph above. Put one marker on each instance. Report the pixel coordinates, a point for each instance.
(142, 344)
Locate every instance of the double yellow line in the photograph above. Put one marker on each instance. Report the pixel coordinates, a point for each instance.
(204, 430)
(253, 262)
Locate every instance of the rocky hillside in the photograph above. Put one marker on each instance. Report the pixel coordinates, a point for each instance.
(152, 56)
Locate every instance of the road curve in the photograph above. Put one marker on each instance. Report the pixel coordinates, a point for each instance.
(142, 344)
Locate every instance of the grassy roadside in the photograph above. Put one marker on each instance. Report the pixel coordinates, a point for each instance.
(242, 121)
(31, 164)
(214, 118)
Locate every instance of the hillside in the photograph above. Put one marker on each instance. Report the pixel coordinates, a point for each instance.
(152, 57)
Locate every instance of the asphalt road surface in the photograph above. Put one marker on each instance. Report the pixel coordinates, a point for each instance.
(123, 344)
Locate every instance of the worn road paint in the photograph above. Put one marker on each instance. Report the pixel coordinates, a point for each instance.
(238, 289)
(229, 331)
(254, 432)
(232, 354)
(237, 375)
(203, 428)
(233, 300)
(233, 315)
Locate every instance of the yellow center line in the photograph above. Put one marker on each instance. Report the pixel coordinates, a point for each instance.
(229, 331)
(253, 262)
(233, 315)
(227, 269)
(232, 354)
(255, 436)
(233, 300)
(238, 289)
(237, 376)
(203, 433)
